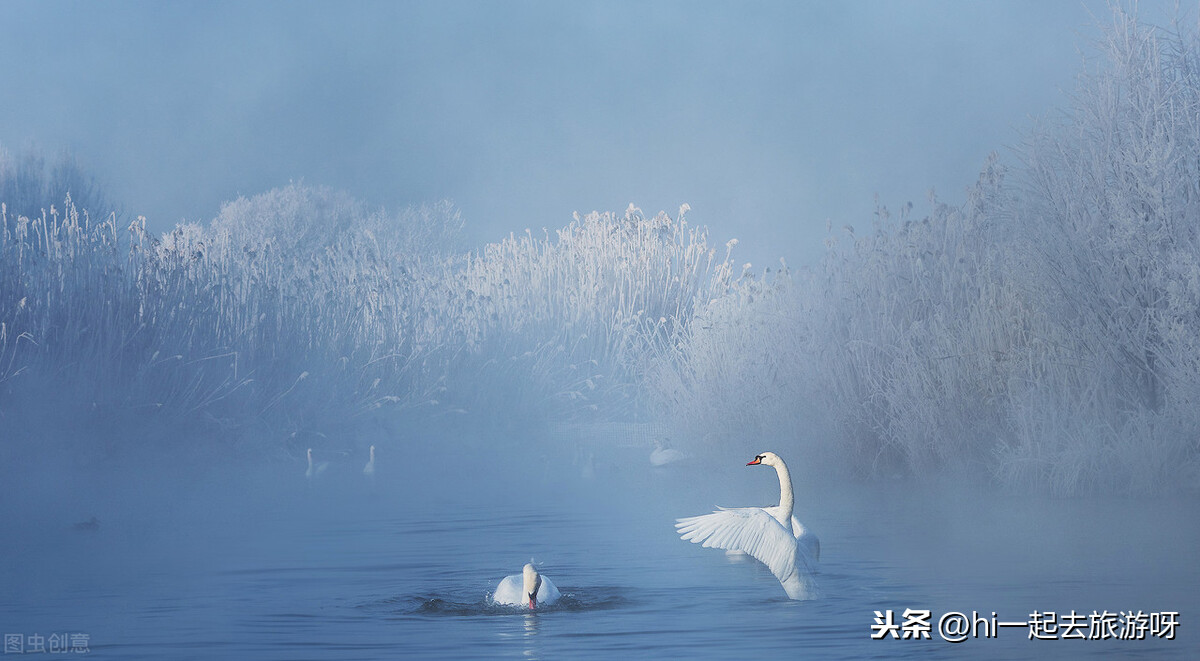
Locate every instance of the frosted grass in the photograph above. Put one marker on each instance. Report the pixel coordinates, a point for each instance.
(301, 309)
(1045, 333)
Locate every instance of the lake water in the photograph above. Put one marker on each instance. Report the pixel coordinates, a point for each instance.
(257, 564)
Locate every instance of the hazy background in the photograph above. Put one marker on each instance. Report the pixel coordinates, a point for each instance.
(185, 418)
(768, 118)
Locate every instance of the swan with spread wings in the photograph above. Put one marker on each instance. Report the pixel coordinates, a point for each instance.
(772, 535)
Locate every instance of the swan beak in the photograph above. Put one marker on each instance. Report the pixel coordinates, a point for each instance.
(533, 601)
(756, 462)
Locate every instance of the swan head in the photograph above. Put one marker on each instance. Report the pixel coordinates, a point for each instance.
(310, 455)
(766, 459)
(530, 584)
(372, 453)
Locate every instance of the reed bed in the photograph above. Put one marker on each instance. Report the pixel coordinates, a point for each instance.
(1045, 333)
(303, 309)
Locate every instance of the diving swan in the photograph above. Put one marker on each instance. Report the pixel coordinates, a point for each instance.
(529, 588)
(771, 534)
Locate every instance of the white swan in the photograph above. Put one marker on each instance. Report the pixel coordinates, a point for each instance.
(771, 534)
(369, 469)
(314, 470)
(663, 453)
(529, 588)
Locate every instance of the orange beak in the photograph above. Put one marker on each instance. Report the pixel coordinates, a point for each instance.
(756, 462)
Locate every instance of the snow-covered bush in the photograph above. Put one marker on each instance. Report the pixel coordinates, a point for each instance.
(1046, 332)
(573, 316)
(894, 354)
(1109, 212)
(740, 368)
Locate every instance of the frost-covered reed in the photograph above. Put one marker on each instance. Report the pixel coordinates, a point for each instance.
(216, 324)
(302, 308)
(575, 315)
(1046, 332)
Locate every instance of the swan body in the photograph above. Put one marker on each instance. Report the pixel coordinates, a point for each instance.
(664, 454)
(769, 534)
(314, 469)
(529, 588)
(369, 469)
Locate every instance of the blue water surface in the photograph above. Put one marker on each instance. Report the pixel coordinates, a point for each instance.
(257, 563)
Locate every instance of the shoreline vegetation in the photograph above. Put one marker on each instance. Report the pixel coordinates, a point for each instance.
(1045, 334)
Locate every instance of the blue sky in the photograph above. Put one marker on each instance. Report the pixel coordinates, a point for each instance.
(767, 118)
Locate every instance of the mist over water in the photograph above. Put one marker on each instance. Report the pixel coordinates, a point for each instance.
(253, 562)
(985, 400)
(768, 121)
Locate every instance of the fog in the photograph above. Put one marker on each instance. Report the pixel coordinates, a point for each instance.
(352, 312)
(768, 119)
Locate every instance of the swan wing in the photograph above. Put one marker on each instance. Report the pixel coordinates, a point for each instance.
(806, 540)
(508, 593)
(751, 530)
(547, 592)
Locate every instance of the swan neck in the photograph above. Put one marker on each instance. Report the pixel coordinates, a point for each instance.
(786, 500)
(530, 584)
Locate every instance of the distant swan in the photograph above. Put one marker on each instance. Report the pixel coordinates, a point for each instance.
(529, 588)
(314, 470)
(771, 534)
(369, 469)
(664, 454)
